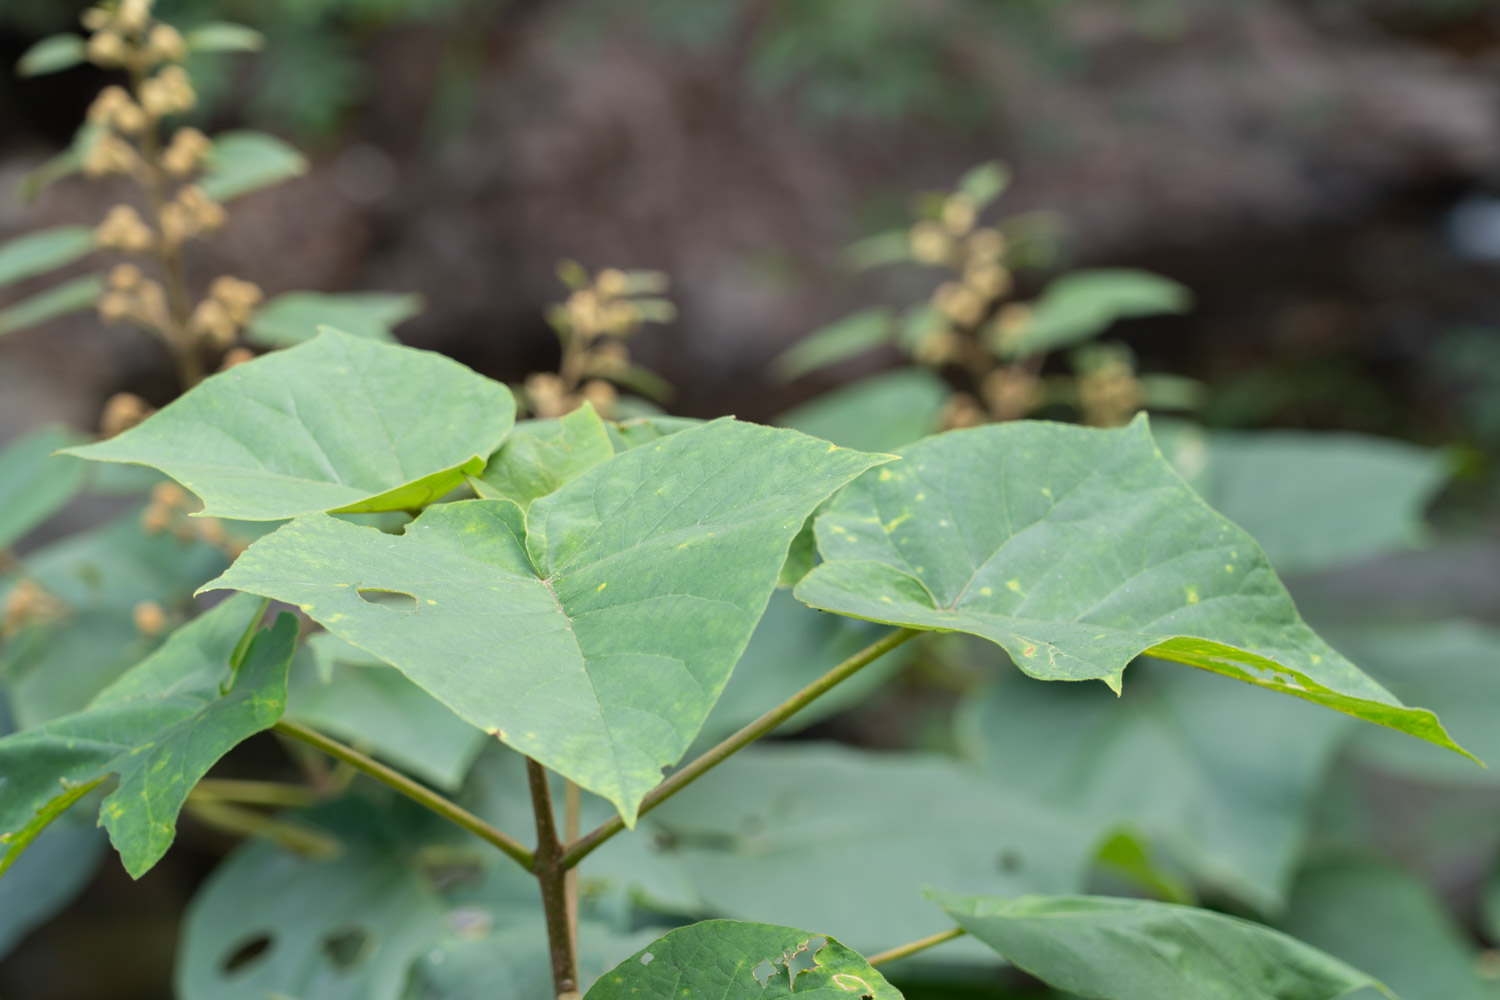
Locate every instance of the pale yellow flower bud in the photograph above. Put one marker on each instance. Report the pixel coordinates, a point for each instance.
(545, 394)
(206, 214)
(169, 495)
(177, 224)
(124, 277)
(959, 303)
(110, 155)
(122, 411)
(611, 283)
(602, 395)
(987, 243)
(987, 279)
(107, 49)
(149, 618)
(1011, 393)
(929, 244)
(165, 44)
(236, 356)
(938, 346)
(961, 411)
(133, 15)
(96, 19)
(115, 306)
(123, 229)
(187, 150)
(959, 214)
(1010, 325)
(151, 299)
(212, 322)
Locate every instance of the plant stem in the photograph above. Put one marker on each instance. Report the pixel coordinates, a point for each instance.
(552, 875)
(915, 946)
(411, 789)
(256, 793)
(582, 848)
(244, 822)
(572, 806)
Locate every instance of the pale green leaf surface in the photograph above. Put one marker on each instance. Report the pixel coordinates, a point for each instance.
(1224, 776)
(1082, 304)
(34, 483)
(1127, 949)
(845, 840)
(542, 455)
(633, 433)
(1314, 501)
(160, 728)
(593, 632)
(880, 413)
(242, 162)
(732, 960)
(1077, 550)
(60, 300)
(339, 423)
(1390, 924)
(296, 316)
(42, 251)
(839, 341)
(53, 54)
(224, 36)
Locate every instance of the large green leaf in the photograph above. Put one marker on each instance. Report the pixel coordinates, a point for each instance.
(1390, 924)
(1313, 501)
(42, 251)
(59, 300)
(34, 483)
(1223, 775)
(1127, 949)
(845, 839)
(339, 423)
(296, 316)
(160, 728)
(730, 960)
(880, 413)
(242, 162)
(1082, 304)
(542, 455)
(593, 632)
(1077, 550)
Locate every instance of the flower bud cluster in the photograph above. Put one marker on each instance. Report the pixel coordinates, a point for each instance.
(132, 297)
(168, 512)
(186, 153)
(192, 213)
(126, 36)
(123, 411)
(229, 307)
(29, 603)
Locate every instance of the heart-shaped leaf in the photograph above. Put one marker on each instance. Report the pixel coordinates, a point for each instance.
(1077, 550)
(1131, 949)
(593, 632)
(340, 423)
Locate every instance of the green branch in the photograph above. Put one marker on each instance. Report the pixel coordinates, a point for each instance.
(584, 846)
(411, 789)
(916, 946)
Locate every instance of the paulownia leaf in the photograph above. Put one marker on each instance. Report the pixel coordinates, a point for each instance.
(296, 316)
(1077, 550)
(43, 251)
(593, 632)
(1128, 949)
(1224, 776)
(34, 483)
(542, 455)
(1082, 304)
(635, 432)
(242, 162)
(880, 413)
(731, 960)
(337, 424)
(59, 300)
(839, 341)
(160, 728)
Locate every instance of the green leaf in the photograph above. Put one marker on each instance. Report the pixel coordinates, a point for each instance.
(1313, 501)
(60, 300)
(223, 36)
(880, 413)
(339, 423)
(639, 431)
(985, 183)
(160, 728)
(1127, 949)
(542, 455)
(839, 341)
(42, 251)
(1076, 551)
(593, 632)
(53, 54)
(1082, 304)
(781, 830)
(295, 317)
(63, 164)
(242, 162)
(35, 484)
(1453, 668)
(1389, 923)
(731, 960)
(1224, 776)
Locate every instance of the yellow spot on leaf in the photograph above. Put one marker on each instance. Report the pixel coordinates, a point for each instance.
(1014, 585)
(986, 591)
(885, 475)
(1192, 595)
(606, 583)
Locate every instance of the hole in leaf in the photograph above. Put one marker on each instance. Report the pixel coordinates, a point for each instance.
(646, 958)
(805, 958)
(393, 600)
(345, 947)
(763, 972)
(246, 955)
(1009, 861)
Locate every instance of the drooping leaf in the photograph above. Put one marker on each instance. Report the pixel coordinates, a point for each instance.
(42, 251)
(33, 483)
(542, 455)
(224, 36)
(783, 829)
(60, 300)
(1222, 775)
(880, 413)
(53, 54)
(1077, 550)
(296, 316)
(593, 632)
(160, 728)
(1314, 501)
(838, 341)
(1082, 304)
(242, 162)
(1128, 949)
(1390, 924)
(339, 423)
(733, 960)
